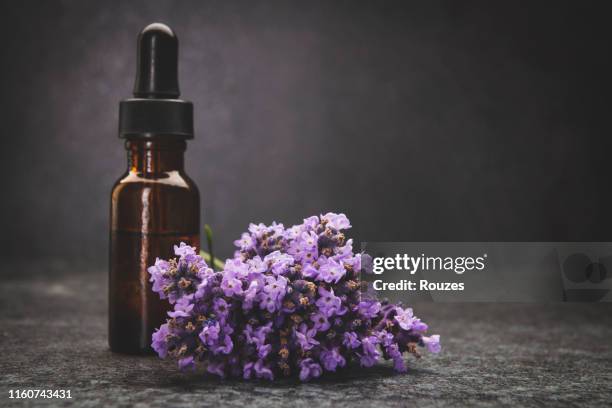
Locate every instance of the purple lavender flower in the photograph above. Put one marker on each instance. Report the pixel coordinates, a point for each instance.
(160, 340)
(257, 336)
(370, 354)
(246, 242)
(332, 359)
(336, 221)
(248, 370)
(320, 322)
(328, 303)
(210, 334)
(263, 350)
(432, 343)
(304, 247)
(182, 308)
(309, 369)
(257, 368)
(351, 340)
(331, 271)
(185, 251)
(225, 346)
(236, 268)
(306, 337)
(386, 339)
(257, 229)
(221, 308)
(217, 368)
(278, 262)
(231, 285)
(369, 308)
(263, 371)
(288, 303)
(179, 277)
(419, 326)
(398, 362)
(268, 302)
(250, 295)
(276, 286)
(310, 271)
(158, 274)
(310, 223)
(405, 318)
(186, 363)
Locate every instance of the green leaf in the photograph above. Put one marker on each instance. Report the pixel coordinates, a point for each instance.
(209, 242)
(217, 264)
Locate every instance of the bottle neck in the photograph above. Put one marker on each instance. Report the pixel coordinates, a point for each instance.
(155, 156)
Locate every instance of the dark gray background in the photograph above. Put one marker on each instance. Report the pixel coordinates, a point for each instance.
(420, 120)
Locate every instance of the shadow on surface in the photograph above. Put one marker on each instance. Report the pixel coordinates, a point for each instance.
(349, 376)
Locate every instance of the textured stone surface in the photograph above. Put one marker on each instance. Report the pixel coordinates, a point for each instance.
(53, 335)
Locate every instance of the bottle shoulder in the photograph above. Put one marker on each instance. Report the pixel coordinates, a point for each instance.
(174, 179)
(173, 182)
(155, 204)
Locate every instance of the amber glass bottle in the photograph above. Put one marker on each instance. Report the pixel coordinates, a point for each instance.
(154, 205)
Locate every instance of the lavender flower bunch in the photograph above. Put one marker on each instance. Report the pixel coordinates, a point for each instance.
(289, 302)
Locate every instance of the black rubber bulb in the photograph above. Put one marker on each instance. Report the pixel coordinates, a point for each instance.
(157, 70)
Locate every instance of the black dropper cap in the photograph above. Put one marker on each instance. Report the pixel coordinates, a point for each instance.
(155, 110)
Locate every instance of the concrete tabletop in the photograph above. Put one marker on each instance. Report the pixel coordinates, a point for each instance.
(53, 336)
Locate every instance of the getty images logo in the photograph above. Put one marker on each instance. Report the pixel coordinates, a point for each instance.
(585, 279)
(413, 264)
